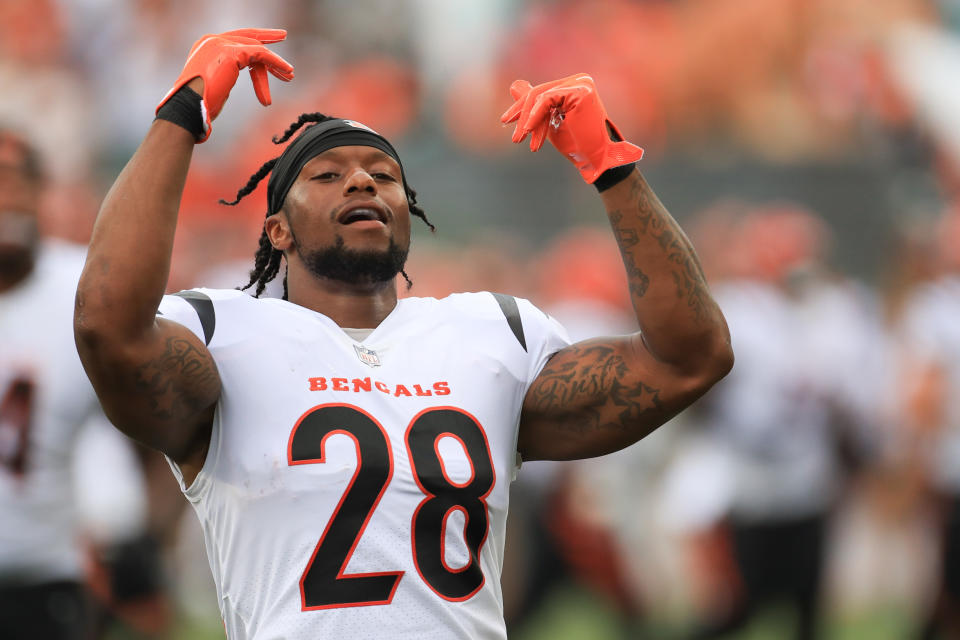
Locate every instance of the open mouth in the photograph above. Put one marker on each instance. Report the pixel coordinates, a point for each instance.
(362, 214)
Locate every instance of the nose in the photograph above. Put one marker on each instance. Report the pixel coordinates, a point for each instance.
(359, 180)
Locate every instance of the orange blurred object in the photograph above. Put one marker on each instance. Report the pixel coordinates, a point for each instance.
(32, 31)
(472, 106)
(775, 239)
(628, 48)
(583, 264)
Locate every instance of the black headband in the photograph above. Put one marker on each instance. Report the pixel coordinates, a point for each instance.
(312, 142)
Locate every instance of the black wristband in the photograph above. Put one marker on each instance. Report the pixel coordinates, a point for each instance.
(613, 176)
(184, 109)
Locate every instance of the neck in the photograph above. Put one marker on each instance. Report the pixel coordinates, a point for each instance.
(349, 305)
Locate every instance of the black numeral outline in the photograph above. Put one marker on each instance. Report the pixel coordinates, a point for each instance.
(314, 579)
(16, 416)
(320, 587)
(453, 584)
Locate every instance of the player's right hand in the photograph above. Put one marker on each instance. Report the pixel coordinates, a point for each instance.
(217, 59)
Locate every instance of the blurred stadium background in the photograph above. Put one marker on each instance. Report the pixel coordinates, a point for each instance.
(844, 110)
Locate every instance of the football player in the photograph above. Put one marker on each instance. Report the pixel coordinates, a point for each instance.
(349, 454)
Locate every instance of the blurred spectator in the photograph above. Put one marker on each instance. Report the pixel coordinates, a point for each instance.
(785, 424)
(933, 398)
(44, 399)
(572, 519)
(49, 513)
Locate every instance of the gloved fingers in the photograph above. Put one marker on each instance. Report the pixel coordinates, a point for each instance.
(280, 74)
(555, 103)
(536, 106)
(524, 94)
(540, 111)
(579, 80)
(546, 105)
(529, 120)
(520, 88)
(258, 54)
(261, 86)
(513, 112)
(536, 91)
(522, 117)
(538, 135)
(519, 134)
(264, 36)
(524, 126)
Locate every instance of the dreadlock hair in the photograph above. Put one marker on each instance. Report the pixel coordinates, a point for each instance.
(266, 263)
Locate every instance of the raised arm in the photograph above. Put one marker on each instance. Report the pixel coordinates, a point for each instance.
(156, 380)
(601, 395)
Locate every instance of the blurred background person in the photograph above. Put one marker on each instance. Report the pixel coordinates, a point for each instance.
(789, 422)
(72, 494)
(44, 399)
(571, 529)
(932, 384)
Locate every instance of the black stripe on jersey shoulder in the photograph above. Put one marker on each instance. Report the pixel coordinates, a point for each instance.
(508, 305)
(203, 305)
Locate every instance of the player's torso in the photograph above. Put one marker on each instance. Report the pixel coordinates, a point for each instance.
(356, 486)
(772, 411)
(44, 397)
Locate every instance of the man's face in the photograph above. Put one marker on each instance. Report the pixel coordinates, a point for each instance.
(348, 216)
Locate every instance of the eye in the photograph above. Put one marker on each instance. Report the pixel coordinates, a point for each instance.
(379, 175)
(326, 175)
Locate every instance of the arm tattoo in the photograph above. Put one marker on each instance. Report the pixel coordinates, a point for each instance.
(178, 382)
(571, 388)
(626, 240)
(653, 220)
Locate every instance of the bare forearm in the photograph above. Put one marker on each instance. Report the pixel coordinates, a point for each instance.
(599, 396)
(679, 320)
(156, 381)
(129, 257)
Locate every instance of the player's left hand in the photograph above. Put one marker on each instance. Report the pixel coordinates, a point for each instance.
(569, 112)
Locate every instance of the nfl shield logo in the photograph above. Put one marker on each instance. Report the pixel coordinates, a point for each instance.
(367, 356)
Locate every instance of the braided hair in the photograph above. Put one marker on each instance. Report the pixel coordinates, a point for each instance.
(267, 260)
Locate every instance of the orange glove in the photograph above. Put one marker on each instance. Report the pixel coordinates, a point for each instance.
(570, 114)
(217, 59)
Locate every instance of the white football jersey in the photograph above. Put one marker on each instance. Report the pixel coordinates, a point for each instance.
(932, 332)
(45, 397)
(773, 413)
(360, 490)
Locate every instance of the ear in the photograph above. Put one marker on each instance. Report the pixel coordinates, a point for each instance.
(277, 228)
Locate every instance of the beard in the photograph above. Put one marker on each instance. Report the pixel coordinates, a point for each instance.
(353, 266)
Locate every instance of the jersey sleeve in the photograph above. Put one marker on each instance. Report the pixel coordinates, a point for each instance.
(544, 336)
(193, 309)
